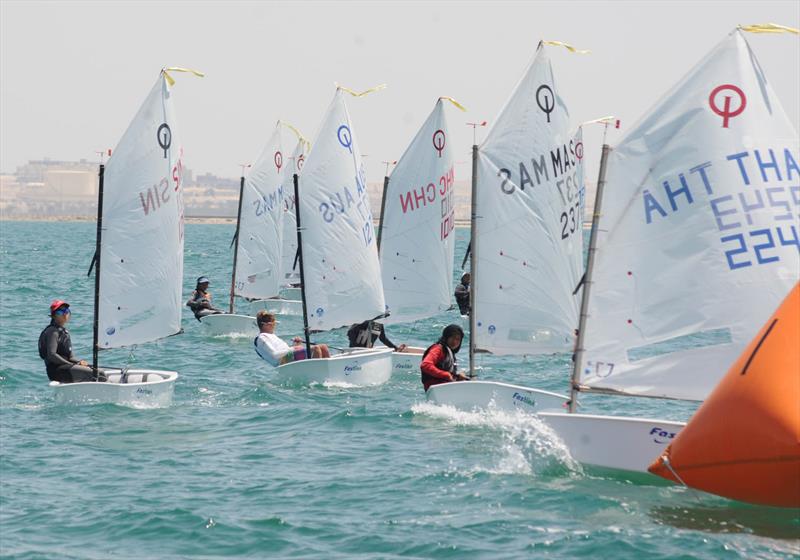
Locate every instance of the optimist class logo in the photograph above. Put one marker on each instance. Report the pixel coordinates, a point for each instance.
(726, 112)
(439, 141)
(545, 102)
(278, 160)
(345, 137)
(164, 136)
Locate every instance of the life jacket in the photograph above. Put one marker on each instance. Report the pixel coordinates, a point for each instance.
(361, 336)
(448, 363)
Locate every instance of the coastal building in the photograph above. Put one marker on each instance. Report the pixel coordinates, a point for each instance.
(54, 188)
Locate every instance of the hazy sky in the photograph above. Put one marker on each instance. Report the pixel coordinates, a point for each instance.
(74, 73)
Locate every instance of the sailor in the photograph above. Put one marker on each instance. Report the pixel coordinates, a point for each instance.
(364, 335)
(273, 350)
(439, 361)
(200, 302)
(462, 294)
(55, 348)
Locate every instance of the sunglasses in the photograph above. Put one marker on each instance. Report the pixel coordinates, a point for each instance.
(62, 311)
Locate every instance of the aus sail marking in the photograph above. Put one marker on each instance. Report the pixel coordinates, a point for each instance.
(439, 141)
(345, 137)
(726, 113)
(545, 103)
(164, 136)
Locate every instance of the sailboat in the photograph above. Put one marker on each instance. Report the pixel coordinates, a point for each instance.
(257, 258)
(690, 253)
(338, 259)
(526, 244)
(138, 262)
(416, 232)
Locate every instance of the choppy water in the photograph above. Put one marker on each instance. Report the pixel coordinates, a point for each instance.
(239, 467)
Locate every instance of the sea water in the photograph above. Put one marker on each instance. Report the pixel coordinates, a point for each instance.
(241, 467)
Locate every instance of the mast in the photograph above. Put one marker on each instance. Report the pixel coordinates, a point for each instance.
(472, 259)
(300, 258)
(98, 243)
(236, 241)
(587, 283)
(383, 208)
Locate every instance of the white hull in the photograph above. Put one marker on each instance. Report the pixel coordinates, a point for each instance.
(471, 395)
(407, 362)
(630, 444)
(276, 306)
(144, 388)
(224, 324)
(360, 366)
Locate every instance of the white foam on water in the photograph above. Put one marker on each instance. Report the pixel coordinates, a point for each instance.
(337, 385)
(527, 445)
(234, 335)
(208, 397)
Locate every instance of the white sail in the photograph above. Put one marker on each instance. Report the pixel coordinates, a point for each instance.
(141, 264)
(291, 273)
(258, 266)
(529, 208)
(340, 261)
(418, 236)
(698, 239)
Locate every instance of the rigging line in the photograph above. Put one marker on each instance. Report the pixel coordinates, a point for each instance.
(758, 346)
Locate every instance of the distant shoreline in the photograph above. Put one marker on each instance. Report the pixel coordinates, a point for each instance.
(38, 218)
(189, 219)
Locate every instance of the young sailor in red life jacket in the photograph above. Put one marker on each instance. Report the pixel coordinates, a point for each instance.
(439, 360)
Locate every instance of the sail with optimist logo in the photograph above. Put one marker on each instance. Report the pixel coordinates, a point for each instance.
(693, 247)
(417, 230)
(141, 254)
(341, 272)
(291, 274)
(138, 262)
(698, 241)
(258, 273)
(528, 245)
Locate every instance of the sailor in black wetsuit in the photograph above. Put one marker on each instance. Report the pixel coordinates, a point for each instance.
(462, 294)
(55, 348)
(200, 302)
(362, 336)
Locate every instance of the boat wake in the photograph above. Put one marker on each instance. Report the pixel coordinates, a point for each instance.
(233, 336)
(335, 385)
(527, 445)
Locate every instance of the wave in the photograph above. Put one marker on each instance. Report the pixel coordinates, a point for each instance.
(526, 445)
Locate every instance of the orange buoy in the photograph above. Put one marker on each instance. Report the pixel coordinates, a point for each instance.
(744, 440)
